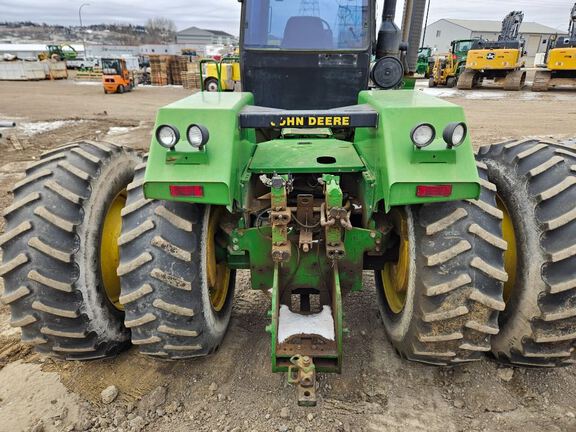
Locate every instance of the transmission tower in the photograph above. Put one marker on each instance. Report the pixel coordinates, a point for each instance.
(350, 18)
(309, 8)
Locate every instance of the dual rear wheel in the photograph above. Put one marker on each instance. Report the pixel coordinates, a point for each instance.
(491, 275)
(494, 275)
(63, 269)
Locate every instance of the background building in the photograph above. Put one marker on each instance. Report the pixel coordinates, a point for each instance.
(441, 33)
(197, 38)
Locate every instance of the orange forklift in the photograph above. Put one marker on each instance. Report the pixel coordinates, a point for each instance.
(116, 77)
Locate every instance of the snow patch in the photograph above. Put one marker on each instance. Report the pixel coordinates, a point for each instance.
(440, 92)
(45, 126)
(119, 130)
(88, 83)
(290, 324)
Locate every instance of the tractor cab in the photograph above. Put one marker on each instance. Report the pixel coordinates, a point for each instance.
(116, 77)
(305, 54)
(461, 47)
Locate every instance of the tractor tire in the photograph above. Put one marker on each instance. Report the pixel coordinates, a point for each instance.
(431, 82)
(451, 82)
(211, 85)
(536, 184)
(453, 282)
(164, 278)
(51, 264)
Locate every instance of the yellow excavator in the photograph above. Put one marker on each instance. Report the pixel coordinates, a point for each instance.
(501, 61)
(560, 61)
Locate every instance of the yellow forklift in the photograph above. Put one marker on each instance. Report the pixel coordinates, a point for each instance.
(501, 61)
(560, 61)
(116, 78)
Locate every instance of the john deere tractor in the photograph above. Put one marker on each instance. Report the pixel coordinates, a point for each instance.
(306, 179)
(425, 62)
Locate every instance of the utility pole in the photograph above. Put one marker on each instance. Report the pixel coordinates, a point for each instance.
(309, 8)
(82, 27)
(426, 23)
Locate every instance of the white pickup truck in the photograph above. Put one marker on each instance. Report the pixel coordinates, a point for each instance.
(82, 63)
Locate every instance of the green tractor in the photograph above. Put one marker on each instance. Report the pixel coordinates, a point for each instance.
(307, 180)
(425, 62)
(59, 53)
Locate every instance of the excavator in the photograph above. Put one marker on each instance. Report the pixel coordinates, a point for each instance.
(560, 61)
(501, 61)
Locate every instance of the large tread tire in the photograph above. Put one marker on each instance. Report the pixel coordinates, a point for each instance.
(164, 287)
(537, 183)
(455, 289)
(51, 251)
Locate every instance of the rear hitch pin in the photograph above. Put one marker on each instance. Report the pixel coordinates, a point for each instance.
(302, 374)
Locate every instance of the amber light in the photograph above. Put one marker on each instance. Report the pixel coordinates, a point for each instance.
(187, 191)
(432, 191)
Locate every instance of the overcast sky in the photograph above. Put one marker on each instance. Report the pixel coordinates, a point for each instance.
(224, 14)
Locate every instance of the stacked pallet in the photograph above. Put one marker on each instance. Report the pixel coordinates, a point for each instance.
(159, 69)
(167, 69)
(191, 80)
(177, 66)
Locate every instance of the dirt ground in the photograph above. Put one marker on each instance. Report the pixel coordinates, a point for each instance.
(234, 390)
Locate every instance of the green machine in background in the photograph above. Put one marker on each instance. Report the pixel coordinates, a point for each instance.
(425, 62)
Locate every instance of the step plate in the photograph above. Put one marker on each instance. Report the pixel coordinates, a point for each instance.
(306, 156)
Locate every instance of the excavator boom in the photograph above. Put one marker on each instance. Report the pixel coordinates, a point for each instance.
(511, 26)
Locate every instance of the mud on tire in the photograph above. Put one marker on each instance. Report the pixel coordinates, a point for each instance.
(164, 283)
(455, 286)
(537, 185)
(51, 251)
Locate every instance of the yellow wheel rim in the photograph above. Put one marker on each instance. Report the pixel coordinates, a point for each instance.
(109, 250)
(395, 276)
(218, 274)
(511, 254)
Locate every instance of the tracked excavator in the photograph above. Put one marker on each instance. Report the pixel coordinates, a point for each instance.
(501, 61)
(560, 61)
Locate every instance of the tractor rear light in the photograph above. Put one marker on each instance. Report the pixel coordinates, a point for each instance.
(194, 191)
(198, 136)
(423, 135)
(433, 191)
(455, 134)
(167, 136)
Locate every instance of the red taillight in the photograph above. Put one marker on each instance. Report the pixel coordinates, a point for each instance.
(433, 191)
(187, 191)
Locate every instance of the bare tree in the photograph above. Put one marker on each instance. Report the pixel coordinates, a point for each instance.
(161, 28)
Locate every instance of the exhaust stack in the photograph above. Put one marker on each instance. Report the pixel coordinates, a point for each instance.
(413, 24)
(389, 35)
